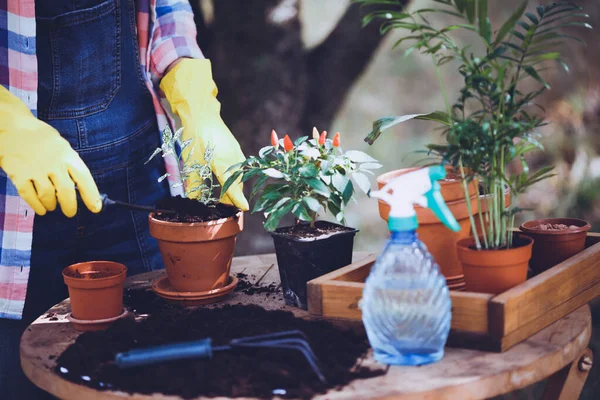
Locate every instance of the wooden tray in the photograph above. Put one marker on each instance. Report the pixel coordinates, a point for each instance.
(481, 321)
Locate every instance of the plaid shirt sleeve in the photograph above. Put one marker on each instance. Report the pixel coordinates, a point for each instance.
(166, 33)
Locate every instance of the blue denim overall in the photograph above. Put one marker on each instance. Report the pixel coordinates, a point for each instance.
(91, 89)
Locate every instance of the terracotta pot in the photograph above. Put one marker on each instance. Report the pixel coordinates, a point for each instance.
(553, 247)
(484, 202)
(95, 289)
(197, 256)
(495, 271)
(440, 241)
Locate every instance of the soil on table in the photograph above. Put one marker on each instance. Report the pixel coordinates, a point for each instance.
(249, 288)
(555, 227)
(188, 210)
(321, 229)
(91, 274)
(251, 372)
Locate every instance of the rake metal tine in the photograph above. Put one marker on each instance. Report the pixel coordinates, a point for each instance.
(250, 339)
(307, 356)
(291, 343)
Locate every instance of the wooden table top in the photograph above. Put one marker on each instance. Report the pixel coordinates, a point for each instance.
(461, 374)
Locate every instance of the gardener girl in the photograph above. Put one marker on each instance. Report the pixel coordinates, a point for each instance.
(80, 113)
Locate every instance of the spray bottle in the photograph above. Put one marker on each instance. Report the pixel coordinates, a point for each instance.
(406, 308)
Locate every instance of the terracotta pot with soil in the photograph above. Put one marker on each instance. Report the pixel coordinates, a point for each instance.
(440, 241)
(556, 239)
(305, 253)
(196, 243)
(95, 292)
(495, 271)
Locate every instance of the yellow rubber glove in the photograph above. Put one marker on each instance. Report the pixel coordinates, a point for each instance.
(191, 92)
(40, 163)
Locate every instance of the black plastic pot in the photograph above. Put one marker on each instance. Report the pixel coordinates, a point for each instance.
(303, 259)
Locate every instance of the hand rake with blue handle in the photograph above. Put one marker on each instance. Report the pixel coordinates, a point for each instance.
(203, 349)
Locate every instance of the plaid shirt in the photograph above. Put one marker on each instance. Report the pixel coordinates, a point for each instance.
(166, 32)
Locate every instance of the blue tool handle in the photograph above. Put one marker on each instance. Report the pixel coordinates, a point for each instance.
(154, 355)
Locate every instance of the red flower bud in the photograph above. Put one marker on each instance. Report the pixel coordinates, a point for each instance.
(287, 143)
(323, 138)
(274, 139)
(336, 140)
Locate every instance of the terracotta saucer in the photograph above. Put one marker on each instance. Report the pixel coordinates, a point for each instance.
(455, 278)
(84, 325)
(162, 287)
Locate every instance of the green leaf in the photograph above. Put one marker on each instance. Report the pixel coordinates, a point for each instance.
(258, 185)
(348, 192)
(300, 211)
(510, 23)
(362, 181)
(156, 152)
(300, 140)
(274, 217)
(339, 182)
(370, 166)
(532, 18)
(482, 11)
(534, 74)
(470, 10)
(318, 186)
(265, 151)
(385, 123)
(359, 157)
(273, 173)
(308, 171)
(165, 176)
(312, 203)
(249, 174)
(311, 152)
(230, 181)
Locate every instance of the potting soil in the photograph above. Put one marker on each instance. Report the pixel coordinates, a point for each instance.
(555, 227)
(188, 210)
(253, 372)
(304, 231)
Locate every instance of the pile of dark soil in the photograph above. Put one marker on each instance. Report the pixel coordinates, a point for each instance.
(555, 227)
(91, 274)
(249, 288)
(188, 210)
(256, 372)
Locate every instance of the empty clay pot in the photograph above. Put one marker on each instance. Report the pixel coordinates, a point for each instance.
(197, 256)
(440, 241)
(95, 289)
(555, 246)
(495, 271)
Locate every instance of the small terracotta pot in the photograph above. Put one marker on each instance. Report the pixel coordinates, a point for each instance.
(440, 241)
(484, 202)
(95, 289)
(197, 256)
(495, 271)
(553, 247)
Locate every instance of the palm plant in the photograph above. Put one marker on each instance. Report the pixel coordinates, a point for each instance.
(494, 121)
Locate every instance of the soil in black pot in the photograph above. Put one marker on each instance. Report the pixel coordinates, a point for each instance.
(256, 372)
(188, 210)
(321, 229)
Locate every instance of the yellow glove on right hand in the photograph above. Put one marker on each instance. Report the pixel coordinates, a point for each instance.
(40, 163)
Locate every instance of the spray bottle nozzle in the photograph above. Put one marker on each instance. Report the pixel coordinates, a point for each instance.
(417, 187)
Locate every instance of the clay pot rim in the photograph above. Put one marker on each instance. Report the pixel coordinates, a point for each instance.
(384, 178)
(464, 244)
(214, 222)
(106, 278)
(583, 226)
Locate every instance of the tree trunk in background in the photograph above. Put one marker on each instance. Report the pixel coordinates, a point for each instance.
(267, 80)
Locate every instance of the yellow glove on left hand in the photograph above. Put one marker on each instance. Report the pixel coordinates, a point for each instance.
(191, 92)
(40, 163)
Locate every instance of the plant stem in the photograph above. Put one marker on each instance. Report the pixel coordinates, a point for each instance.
(469, 208)
(483, 233)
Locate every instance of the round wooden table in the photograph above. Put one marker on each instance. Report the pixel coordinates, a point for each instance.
(559, 352)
